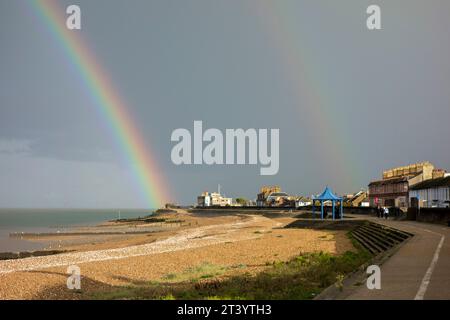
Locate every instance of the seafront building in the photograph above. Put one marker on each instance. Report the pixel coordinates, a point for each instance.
(359, 199)
(272, 196)
(208, 199)
(434, 193)
(393, 189)
(261, 197)
(302, 202)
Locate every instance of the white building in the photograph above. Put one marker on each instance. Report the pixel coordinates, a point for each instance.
(365, 202)
(302, 202)
(208, 199)
(433, 193)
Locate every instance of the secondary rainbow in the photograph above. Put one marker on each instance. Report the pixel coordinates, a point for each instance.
(333, 141)
(108, 103)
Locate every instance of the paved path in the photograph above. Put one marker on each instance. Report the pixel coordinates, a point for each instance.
(420, 269)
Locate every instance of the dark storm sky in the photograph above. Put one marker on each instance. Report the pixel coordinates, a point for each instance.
(383, 96)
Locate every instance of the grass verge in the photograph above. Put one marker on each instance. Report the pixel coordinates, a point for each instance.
(303, 277)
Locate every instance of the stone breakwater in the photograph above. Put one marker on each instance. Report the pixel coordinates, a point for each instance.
(186, 239)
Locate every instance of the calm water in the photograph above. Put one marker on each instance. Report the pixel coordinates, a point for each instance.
(52, 220)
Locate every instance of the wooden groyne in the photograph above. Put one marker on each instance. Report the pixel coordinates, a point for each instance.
(64, 234)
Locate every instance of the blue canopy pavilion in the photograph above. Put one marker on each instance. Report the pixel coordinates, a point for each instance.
(328, 195)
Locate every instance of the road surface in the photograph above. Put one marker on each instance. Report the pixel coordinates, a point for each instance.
(420, 269)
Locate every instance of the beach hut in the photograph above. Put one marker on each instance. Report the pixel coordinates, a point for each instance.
(328, 195)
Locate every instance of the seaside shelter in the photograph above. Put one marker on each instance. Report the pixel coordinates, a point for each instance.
(328, 195)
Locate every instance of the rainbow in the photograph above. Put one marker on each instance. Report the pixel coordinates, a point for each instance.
(108, 103)
(332, 140)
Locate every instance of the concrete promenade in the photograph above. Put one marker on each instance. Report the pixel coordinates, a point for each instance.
(420, 269)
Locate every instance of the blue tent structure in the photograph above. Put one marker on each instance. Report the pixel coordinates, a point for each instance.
(328, 195)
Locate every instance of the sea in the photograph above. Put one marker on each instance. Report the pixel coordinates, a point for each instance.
(53, 220)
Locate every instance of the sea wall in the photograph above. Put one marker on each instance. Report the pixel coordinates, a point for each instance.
(232, 209)
(434, 215)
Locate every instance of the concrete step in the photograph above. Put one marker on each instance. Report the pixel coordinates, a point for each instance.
(377, 238)
(362, 241)
(380, 236)
(392, 233)
(369, 241)
(401, 233)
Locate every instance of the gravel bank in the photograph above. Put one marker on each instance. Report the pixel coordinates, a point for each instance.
(186, 239)
(244, 244)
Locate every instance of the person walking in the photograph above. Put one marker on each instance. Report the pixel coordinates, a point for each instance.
(386, 213)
